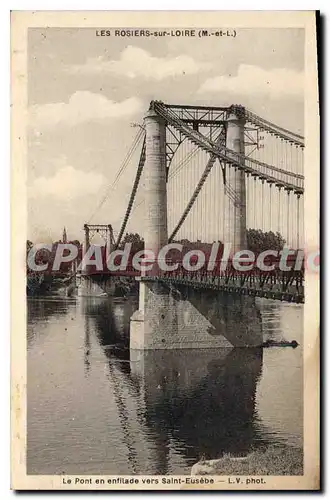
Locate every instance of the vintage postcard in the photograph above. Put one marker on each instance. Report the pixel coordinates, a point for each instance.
(165, 251)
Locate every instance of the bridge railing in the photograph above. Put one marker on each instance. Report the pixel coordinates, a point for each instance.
(274, 283)
(271, 281)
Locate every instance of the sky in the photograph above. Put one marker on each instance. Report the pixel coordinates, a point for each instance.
(86, 92)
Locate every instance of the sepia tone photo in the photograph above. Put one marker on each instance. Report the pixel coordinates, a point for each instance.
(168, 275)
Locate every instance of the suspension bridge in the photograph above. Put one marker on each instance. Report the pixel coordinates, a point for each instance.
(204, 175)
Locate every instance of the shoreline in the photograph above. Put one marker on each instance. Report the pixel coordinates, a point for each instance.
(275, 460)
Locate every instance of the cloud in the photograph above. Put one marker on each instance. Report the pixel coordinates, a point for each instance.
(135, 62)
(82, 106)
(66, 184)
(275, 83)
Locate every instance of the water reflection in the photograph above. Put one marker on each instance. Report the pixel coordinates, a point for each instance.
(111, 320)
(94, 407)
(42, 310)
(204, 402)
(201, 403)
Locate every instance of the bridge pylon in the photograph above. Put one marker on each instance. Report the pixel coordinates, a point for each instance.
(235, 205)
(155, 223)
(181, 317)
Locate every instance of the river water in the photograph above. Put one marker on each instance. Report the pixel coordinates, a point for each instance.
(95, 409)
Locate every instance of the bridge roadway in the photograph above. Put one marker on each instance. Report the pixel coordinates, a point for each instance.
(275, 284)
(280, 285)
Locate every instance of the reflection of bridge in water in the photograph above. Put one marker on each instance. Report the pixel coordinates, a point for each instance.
(193, 403)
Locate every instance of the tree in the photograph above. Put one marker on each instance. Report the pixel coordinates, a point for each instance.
(135, 239)
(76, 242)
(258, 241)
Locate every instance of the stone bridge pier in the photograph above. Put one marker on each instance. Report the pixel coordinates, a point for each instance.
(184, 317)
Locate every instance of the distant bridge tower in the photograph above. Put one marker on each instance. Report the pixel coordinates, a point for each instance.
(105, 231)
(98, 285)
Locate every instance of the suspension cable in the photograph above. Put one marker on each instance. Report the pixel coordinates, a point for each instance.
(121, 170)
(182, 163)
(133, 192)
(284, 133)
(270, 206)
(279, 210)
(234, 159)
(288, 217)
(198, 188)
(298, 220)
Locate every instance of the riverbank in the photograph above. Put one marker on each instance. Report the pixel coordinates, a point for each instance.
(281, 460)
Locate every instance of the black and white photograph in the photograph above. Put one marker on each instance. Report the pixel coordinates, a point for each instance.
(169, 261)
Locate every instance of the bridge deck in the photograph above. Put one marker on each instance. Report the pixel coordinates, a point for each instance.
(291, 293)
(286, 286)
